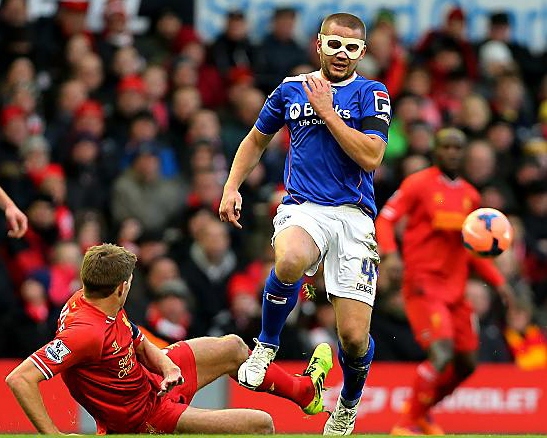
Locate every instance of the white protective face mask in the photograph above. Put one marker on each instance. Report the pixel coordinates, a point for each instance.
(333, 44)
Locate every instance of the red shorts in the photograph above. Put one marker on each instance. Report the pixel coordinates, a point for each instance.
(433, 319)
(164, 418)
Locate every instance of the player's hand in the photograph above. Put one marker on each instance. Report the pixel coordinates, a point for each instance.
(17, 221)
(171, 378)
(230, 207)
(507, 295)
(392, 262)
(319, 94)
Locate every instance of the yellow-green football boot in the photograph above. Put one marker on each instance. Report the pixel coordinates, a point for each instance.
(318, 368)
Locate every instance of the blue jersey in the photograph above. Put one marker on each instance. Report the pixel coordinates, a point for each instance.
(316, 168)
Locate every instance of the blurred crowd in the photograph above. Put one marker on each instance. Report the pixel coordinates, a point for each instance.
(128, 137)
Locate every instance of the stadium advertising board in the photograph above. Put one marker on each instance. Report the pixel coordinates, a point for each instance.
(414, 17)
(496, 399)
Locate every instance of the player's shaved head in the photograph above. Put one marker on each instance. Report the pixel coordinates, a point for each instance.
(104, 268)
(450, 136)
(346, 20)
(450, 145)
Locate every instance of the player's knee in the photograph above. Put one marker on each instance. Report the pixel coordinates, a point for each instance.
(261, 424)
(354, 342)
(290, 267)
(441, 354)
(237, 349)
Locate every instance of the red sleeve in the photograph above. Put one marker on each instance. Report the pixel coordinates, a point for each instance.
(75, 344)
(396, 207)
(487, 271)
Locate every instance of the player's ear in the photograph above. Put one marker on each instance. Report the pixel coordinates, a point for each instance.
(318, 44)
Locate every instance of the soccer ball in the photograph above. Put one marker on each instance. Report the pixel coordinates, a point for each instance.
(487, 232)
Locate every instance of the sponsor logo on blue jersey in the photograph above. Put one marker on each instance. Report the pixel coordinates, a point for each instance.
(296, 110)
(317, 168)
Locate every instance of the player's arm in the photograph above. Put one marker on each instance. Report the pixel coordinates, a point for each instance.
(270, 120)
(397, 206)
(488, 271)
(247, 157)
(366, 150)
(71, 346)
(158, 362)
(23, 382)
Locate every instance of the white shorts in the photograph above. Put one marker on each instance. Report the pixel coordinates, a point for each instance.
(345, 237)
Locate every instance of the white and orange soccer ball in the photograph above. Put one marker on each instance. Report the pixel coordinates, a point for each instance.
(487, 232)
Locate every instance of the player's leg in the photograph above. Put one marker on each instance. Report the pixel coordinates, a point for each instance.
(460, 367)
(456, 373)
(306, 390)
(355, 354)
(225, 421)
(440, 384)
(432, 325)
(215, 357)
(466, 342)
(296, 251)
(201, 361)
(350, 279)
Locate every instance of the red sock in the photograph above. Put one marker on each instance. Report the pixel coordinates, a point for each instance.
(279, 382)
(423, 391)
(448, 382)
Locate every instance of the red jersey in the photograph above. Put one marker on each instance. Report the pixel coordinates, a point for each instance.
(95, 355)
(434, 257)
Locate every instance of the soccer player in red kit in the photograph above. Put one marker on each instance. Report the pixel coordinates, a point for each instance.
(435, 202)
(130, 386)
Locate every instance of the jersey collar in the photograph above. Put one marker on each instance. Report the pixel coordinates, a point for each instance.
(451, 182)
(343, 83)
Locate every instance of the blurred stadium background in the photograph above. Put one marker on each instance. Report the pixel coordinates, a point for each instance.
(119, 120)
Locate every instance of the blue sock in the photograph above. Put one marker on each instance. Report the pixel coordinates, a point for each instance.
(278, 300)
(355, 370)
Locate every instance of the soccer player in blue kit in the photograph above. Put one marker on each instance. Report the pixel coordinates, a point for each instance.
(338, 124)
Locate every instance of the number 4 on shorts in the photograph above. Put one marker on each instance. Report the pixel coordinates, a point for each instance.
(369, 269)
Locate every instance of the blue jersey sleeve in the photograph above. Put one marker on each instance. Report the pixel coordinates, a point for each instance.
(272, 116)
(377, 111)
